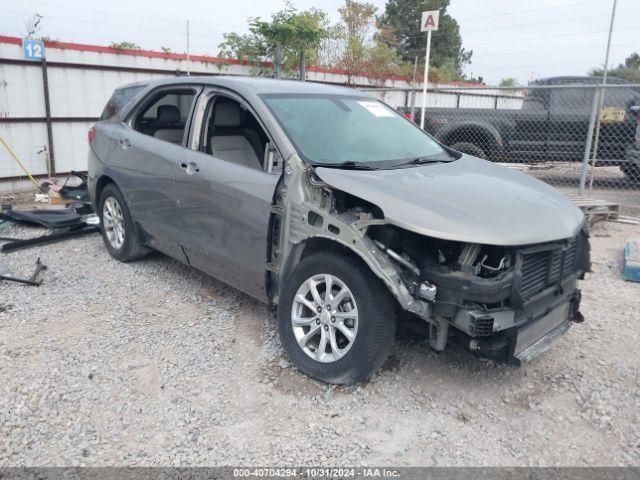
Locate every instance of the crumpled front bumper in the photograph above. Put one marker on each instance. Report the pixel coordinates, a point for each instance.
(522, 343)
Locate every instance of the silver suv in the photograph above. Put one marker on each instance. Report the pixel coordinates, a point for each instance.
(332, 206)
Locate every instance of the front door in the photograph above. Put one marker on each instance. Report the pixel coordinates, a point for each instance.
(528, 141)
(224, 195)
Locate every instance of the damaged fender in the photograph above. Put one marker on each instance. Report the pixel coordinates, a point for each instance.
(303, 210)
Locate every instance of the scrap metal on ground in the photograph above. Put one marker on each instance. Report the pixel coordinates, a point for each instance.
(64, 223)
(5, 274)
(77, 219)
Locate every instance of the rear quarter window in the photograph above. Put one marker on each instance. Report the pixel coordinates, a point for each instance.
(120, 98)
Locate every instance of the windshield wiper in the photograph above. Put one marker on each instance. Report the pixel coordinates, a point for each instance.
(423, 160)
(350, 165)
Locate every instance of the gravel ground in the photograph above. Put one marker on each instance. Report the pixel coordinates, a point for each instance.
(153, 363)
(609, 183)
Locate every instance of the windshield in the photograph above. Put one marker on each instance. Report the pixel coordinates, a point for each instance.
(339, 129)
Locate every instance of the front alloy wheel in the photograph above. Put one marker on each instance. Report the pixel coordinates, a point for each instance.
(336, 318)
(324, 318)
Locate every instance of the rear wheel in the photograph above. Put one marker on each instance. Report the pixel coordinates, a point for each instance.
(469, 148)
(118, 230)
(336, 319)
(632, 171)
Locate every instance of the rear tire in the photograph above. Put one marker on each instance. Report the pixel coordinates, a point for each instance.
(469, 149)
(359, 337)
(118, 230)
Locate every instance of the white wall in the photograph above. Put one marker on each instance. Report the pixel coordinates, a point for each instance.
(76, 92)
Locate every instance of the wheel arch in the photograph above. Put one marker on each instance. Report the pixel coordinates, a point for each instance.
(102, 182)
(484, 135)
(321, 243)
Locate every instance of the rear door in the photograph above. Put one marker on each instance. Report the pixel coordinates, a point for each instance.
(224, 199)
(618, 121)
(148, 147)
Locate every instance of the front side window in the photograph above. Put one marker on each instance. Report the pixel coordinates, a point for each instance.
(165, 115)
(339, 129)
(230, 132)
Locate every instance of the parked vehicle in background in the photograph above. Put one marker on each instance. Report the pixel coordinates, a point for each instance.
(552, 124)
(332, 206)
(632, 165)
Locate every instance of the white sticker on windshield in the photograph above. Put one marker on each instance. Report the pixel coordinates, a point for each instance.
(378, 109)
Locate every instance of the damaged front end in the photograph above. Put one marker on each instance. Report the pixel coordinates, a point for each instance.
(505, 303)
(501, 302)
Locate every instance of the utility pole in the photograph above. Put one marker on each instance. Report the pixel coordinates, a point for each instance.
(428, 23)
(303, 66)
(188, 53)
(278, 60)
(601, 98)
(413, 89)
(426, 79)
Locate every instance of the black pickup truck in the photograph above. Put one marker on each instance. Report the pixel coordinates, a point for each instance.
(552, 125)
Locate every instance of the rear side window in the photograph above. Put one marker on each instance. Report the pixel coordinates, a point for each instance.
(574, 99)
(165, 114)
(118, 100)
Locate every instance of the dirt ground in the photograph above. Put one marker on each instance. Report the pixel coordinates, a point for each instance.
(153, 363)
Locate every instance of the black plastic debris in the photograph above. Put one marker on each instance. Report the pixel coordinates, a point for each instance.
(76, 193)
(49, 218)
(33, 281)
(64, 223)
(79, 193)
(57, 235)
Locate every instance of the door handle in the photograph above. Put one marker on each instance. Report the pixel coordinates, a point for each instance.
(125, 143)
(190, 168)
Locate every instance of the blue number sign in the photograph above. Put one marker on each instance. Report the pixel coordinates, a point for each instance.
(33, 49)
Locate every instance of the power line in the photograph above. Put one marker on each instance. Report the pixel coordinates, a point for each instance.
(422, 35)
(546, 22)
(541, 9)
(82, 39)
(508, 67)
(128, 15)
(574, 34)
(556, 36)
(120, 25)
(590, 47)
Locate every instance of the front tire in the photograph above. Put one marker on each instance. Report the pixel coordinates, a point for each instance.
(336, 319)
(118, 230)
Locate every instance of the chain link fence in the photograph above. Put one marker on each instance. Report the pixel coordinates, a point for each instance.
(574, 133)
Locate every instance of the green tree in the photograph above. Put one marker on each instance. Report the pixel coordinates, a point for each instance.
(400, 28)
(355, 27)
(629, 69)
(357, 48)
(125, 46)
(508, 82)
(289, 38)
(382, 62)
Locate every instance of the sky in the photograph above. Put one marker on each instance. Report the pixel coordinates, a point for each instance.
(509, 38)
